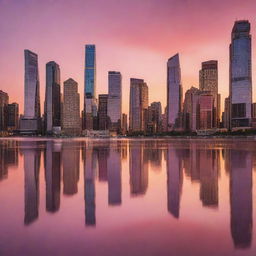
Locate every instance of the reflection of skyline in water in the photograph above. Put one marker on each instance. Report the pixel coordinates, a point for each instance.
(102, 162)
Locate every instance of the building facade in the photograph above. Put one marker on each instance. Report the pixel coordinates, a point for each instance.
(240, 90)
(90, 103)
(174, 93)
(208, 81)
(13, 116)
(206, 106)
(4, 100)
(114, 100)
(71, 108)
(138, 105)
(52, 112)
(31, 121)
(103, 112)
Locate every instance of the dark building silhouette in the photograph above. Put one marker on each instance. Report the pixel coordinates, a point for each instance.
(241, 197)
(174, 181)
(52, 158)
(103, 112)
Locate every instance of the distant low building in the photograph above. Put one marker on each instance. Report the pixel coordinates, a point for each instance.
(13, 116)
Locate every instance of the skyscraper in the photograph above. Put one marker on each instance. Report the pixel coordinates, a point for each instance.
(206, 106)
(208, 81)
(240, 89)
(138, 104)
(174, 93)
(89, 87)
(4, 100)
(114, 100)
(191, 109)
(52, 97)
(102, 112)
(71, 108)
(30, 122)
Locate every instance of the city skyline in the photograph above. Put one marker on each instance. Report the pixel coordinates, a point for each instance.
(115, 54)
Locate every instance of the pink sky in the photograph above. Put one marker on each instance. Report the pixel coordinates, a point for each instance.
(133, 37)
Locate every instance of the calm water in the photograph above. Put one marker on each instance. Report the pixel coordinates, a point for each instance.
(127, 197)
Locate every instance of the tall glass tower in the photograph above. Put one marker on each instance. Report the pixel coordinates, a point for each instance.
(240, 75)
(174, 93)
(90, 71)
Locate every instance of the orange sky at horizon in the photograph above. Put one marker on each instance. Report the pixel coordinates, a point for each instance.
(135, 38)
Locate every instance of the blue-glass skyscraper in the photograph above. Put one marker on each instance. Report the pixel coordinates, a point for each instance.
(90, 71)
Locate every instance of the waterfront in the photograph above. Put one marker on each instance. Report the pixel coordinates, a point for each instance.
(127, 196)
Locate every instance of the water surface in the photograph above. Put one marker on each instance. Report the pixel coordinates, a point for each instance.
(127, 197)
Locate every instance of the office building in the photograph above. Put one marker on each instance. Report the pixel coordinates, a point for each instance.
(103, 112)
(31, 121)
(71, 108)
(4, 100)
(138, 105)
(240, 91)
(52, 112)
(174, 93)
(114, 100)
(13, 116)
(208, 82)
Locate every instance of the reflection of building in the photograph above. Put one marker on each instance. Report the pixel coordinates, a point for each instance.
(138, 170)
(114, 177)
(90, 158)
(174, 93)
(31, 173)
(240, 89)
(241, 197)
(103, 153)
(208, 169)
(52, 177)
(70, 162)
(174, 182)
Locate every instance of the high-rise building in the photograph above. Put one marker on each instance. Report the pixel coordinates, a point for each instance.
(52, 112)
(240, 89)
(191, 109)
(13, 116)
(208, 81)
(31, 121)
(90, 103)
(138, 104)
(71, 108)
(206, 106)
(103, 112)
(154, 117)
(4, 100)
(174, 93)
(114, 100)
